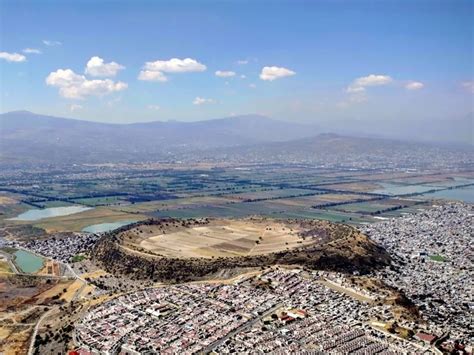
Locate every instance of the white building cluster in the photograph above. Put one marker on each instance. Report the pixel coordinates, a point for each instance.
(279, 311)
(434, 264)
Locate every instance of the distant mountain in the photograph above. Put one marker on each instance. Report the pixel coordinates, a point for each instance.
(29, 137)
(329, 149)
(455, 129)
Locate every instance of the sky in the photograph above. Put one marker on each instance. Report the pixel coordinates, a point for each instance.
(346, 63)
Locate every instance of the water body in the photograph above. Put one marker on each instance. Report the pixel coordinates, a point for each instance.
(465, 194)
(37, 214)
(106, 227)
(395, 190)
(27, 262)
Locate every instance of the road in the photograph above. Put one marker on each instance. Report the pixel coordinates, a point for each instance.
(35, 331)
(10, 261)
(240, 329)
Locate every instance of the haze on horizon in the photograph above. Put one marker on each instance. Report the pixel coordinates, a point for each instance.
(383, 68)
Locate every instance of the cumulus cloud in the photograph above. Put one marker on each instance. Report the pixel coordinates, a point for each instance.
(50, 43)
(414, 85)
(359, 85)
(357, 89)
(75, 86)
(242, 62)
(154, 107)
(75, 107)
(12, 57)
(154, 71)
(469, 86)
(200, 101)
(96, 67)
(273, 73)
(148, 75)
(225, 74)
(31, 51)
(175, 65)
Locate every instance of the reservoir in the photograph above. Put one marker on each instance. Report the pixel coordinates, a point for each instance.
(37, 214)
(106, 227)
(27, 262)
(465, 194)
(395, 189)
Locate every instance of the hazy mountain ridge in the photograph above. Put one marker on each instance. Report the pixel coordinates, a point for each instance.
(29, 138)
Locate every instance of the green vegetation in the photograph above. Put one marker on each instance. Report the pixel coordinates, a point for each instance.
(77, 258)
(8, 250)
(438, 258)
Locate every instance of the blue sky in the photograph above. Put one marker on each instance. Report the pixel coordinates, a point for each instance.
(308, 61)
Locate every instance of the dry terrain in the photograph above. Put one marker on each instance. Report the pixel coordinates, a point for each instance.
(224, 238)
(186, 250)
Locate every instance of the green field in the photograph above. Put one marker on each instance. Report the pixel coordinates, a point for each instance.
(438, 258)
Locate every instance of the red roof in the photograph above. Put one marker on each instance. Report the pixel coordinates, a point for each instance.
(426, 337)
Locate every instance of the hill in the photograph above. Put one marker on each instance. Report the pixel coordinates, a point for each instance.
(183, 250)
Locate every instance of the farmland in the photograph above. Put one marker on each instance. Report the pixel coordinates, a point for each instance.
(122, 192)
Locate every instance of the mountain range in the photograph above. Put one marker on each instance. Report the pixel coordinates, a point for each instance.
(26, 137)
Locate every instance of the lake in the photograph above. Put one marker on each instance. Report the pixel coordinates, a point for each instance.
(465, 194)
(27, 262)
(395, 189)
(37, 214)
(106, 227)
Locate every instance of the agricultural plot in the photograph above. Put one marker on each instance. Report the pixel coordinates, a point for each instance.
(78, 221)
(224, 239)
(101, 201)
(270, 194)
(123, 193)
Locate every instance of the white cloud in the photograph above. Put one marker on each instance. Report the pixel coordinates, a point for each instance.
(154, 71)
(359, 84)
(154, 107)
(225, 74)
(414, 85)
(50, 43)
(200, 101)
(12, 57)
(75, 107)
(148, 75)
(96, 67)
(252, 86)
(31, 51)
(175, 65)
(243, 76)
(242, 62)
(357, 89)
(273, 73)
(469, 86)
(75, 86)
